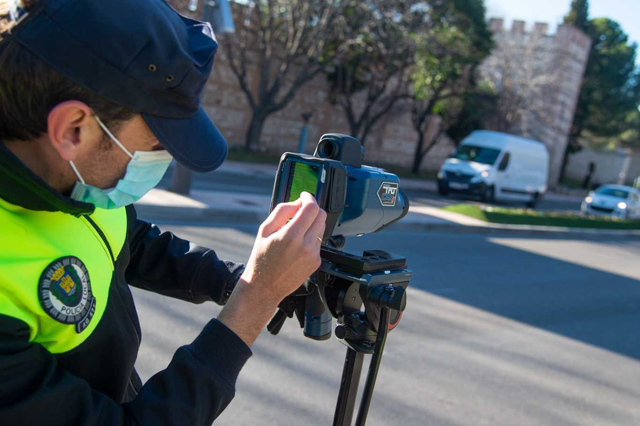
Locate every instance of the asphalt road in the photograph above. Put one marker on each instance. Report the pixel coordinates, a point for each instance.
(498, 331)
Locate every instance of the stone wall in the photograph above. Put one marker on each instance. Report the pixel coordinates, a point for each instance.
(392, 142)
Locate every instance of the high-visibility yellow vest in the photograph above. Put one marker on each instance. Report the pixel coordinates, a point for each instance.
(56, 270)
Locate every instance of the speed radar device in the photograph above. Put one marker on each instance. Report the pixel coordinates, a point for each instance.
(365, 293)
(358, 199)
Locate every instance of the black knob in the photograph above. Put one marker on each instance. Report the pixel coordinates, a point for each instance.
(388, 296)
(341, 332)
(398, 299)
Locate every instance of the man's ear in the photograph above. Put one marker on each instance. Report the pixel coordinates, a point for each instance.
(71, 129)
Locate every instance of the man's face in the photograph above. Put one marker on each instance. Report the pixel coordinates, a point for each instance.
(74, 135)
(102, 163)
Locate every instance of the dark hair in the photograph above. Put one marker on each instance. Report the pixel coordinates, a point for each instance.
(30, 89)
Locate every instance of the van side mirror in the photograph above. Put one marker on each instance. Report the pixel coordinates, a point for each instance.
(504, 163)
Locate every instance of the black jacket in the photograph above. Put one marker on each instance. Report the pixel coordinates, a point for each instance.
(96, 383)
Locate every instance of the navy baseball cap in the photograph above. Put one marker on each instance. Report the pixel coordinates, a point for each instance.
(140, 54)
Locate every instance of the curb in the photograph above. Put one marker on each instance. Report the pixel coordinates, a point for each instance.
(192, 215)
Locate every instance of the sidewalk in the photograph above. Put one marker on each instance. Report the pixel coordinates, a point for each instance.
(204, 206)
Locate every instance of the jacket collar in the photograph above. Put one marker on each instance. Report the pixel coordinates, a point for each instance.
(20, 186)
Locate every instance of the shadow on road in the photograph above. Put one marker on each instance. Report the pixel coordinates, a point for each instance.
(499, 275)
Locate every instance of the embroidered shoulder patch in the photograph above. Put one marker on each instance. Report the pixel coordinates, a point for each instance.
(65, 294)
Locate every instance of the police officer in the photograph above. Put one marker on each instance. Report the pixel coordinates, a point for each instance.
(96, 98)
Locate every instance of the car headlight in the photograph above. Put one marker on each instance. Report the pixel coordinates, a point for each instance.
(588, 200)
(478, 178)
(440, 174)
(622, 206)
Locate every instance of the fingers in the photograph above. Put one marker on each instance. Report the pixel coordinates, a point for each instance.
(279, 217)
(304, 217)
(317, 229)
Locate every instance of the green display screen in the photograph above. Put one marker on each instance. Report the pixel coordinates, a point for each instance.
(303, 177)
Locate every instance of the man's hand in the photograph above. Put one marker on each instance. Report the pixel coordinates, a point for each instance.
(287, 249)
(286, 252)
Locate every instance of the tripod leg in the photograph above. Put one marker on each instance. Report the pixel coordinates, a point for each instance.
(348, 388)
(374, 366)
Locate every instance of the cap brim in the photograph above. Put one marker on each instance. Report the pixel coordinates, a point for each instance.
(194, 142)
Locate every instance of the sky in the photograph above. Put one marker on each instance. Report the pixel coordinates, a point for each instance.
(625, 12)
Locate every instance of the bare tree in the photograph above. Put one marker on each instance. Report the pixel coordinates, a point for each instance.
(374, 72)
(288, 39)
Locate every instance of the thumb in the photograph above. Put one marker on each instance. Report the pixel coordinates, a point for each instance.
(279, 217)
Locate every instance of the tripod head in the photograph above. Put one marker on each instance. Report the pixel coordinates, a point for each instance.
(355, 289)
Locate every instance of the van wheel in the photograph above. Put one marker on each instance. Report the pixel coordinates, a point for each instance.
(534, 201)
(489, 195)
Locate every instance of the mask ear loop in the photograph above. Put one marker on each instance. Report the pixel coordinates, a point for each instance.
(75, 170)
(113, 138)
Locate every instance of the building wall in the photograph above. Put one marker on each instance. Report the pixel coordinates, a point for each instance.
(634, 168)
(562, 58)
(611, 166)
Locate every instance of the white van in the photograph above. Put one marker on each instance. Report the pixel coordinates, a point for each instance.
(497, 166)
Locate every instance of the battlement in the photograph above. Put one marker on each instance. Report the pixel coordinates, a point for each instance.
(518, 27)
(565, 35)
(564, 31)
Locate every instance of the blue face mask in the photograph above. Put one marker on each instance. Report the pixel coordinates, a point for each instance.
(144, 172)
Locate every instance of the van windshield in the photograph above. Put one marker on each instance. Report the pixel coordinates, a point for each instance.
(477, 154)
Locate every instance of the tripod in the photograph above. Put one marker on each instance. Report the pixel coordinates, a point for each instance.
(378, 280)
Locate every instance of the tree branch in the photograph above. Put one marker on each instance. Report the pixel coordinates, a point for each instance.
(240, 71)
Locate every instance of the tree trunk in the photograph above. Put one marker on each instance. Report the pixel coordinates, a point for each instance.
(565, 161)
(417, 156)
(354, 126)
(363, 136)
(254, 131)
(569, 150)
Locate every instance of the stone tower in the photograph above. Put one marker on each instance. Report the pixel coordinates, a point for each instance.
(538, 77)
